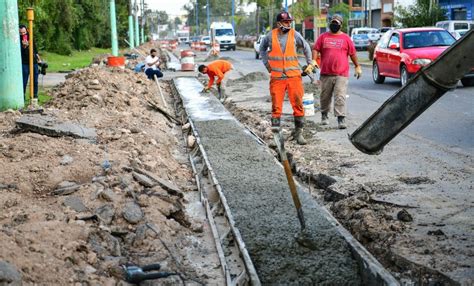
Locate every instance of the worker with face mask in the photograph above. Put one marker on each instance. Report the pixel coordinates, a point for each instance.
(333, 48)
(278, 53)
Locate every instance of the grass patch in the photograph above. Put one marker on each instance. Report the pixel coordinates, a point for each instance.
(77, 60)
(43, 96)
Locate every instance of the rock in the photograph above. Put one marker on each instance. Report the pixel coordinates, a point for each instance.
(436, 232)
(66, 160)
(65, 188)
(143, 180)
(186, 126)
(135, 130)
(108, 195)
(94, 82)
(404, 215)
(8, 273)
(323, 181)
(89, 270)
(105, 213)
(75, 203)
(191, 141)
(132, 213)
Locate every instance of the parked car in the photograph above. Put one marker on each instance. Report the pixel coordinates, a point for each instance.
(256, 46)
(359, 37)
(453, 26)
(193, 39)
(206, 40)
(361, 41)
(375, 36)
(459, 33)
(403, 52)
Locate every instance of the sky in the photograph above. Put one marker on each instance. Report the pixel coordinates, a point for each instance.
(173, 7)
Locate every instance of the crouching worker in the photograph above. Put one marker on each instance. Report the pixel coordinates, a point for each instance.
(152, 65)
(216, 68)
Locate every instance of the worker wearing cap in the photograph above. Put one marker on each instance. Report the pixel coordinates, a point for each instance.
(217, 69)
(334, 47)
(278, 52)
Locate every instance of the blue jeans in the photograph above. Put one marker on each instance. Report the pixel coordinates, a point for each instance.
(151, 72)
(26, 76)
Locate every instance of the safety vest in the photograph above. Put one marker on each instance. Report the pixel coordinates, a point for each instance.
(284, 63)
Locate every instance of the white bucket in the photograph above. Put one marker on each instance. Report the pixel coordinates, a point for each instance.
(308, 104)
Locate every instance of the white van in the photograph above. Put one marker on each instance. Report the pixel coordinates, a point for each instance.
(454, 25)
(224, 33)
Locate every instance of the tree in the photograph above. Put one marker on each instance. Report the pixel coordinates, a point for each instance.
(343, 10)
(423, 13)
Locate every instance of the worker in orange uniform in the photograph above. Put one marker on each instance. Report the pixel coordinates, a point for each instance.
(278, 52)
(216, 68)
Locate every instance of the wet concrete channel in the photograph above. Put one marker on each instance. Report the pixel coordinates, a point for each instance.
(257, 193)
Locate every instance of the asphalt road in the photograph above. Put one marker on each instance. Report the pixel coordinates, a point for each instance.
(448, 123)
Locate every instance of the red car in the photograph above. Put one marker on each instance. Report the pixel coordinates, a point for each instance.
(403, 52)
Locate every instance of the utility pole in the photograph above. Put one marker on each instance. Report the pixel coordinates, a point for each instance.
(233, 11)
(143, 22)
(286, 5)
(370, 13)
(113, 28)
(11, 85)
(270, 20)
(208, 20)
(197, 19)
(317, 8)
(130, 26)
(137, 31)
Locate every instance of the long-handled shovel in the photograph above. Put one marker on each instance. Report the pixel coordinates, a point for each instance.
(278, 137)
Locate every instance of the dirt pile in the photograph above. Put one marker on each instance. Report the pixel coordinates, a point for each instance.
(74, 211)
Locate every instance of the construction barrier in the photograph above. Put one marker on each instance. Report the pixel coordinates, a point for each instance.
(174, 45)
(164, 44)
(193, 45)
(116, 61)
(187, 60)
(202, 46)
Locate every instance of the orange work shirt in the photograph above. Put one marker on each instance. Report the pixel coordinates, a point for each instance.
(217, 68)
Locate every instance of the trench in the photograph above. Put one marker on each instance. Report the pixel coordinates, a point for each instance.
(258, 197)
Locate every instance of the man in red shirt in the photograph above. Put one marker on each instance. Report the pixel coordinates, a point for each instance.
(333, 48)
(216, 68)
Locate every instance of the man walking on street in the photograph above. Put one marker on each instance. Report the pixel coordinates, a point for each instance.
(216, 68)
(334, 47)
(279, 55)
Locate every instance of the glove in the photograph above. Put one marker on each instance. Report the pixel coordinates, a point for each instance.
(309, 69)
(358, 72)
(206, 89)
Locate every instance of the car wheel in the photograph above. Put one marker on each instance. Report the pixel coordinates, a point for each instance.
(257, 55)
(467, 81)
(404, 75)
(233, 48)
(376, 74)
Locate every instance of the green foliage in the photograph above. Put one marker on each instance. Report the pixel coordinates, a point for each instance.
(77, 59)
(344, 10)
(61, 26)
(302, 9)
(423, 13)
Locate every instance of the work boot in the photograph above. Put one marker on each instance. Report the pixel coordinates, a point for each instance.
(299, 124)
(341, 122)
(324, 118)
(275, 125)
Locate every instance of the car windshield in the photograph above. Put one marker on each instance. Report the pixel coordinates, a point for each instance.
(422, 39)
(224, 32)
(205, 38)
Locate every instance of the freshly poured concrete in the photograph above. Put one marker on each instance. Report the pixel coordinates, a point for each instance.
(257, 192)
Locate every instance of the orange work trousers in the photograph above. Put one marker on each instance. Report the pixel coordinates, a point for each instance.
(278, 88)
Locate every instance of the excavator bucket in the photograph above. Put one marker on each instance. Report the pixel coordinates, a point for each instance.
(409, 102)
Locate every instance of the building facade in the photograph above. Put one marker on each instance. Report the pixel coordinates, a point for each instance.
(457, 9)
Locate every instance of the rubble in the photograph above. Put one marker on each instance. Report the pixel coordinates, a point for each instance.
(74, 206)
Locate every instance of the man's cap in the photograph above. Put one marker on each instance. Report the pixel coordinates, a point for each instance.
(284, 16)
(337, 18)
